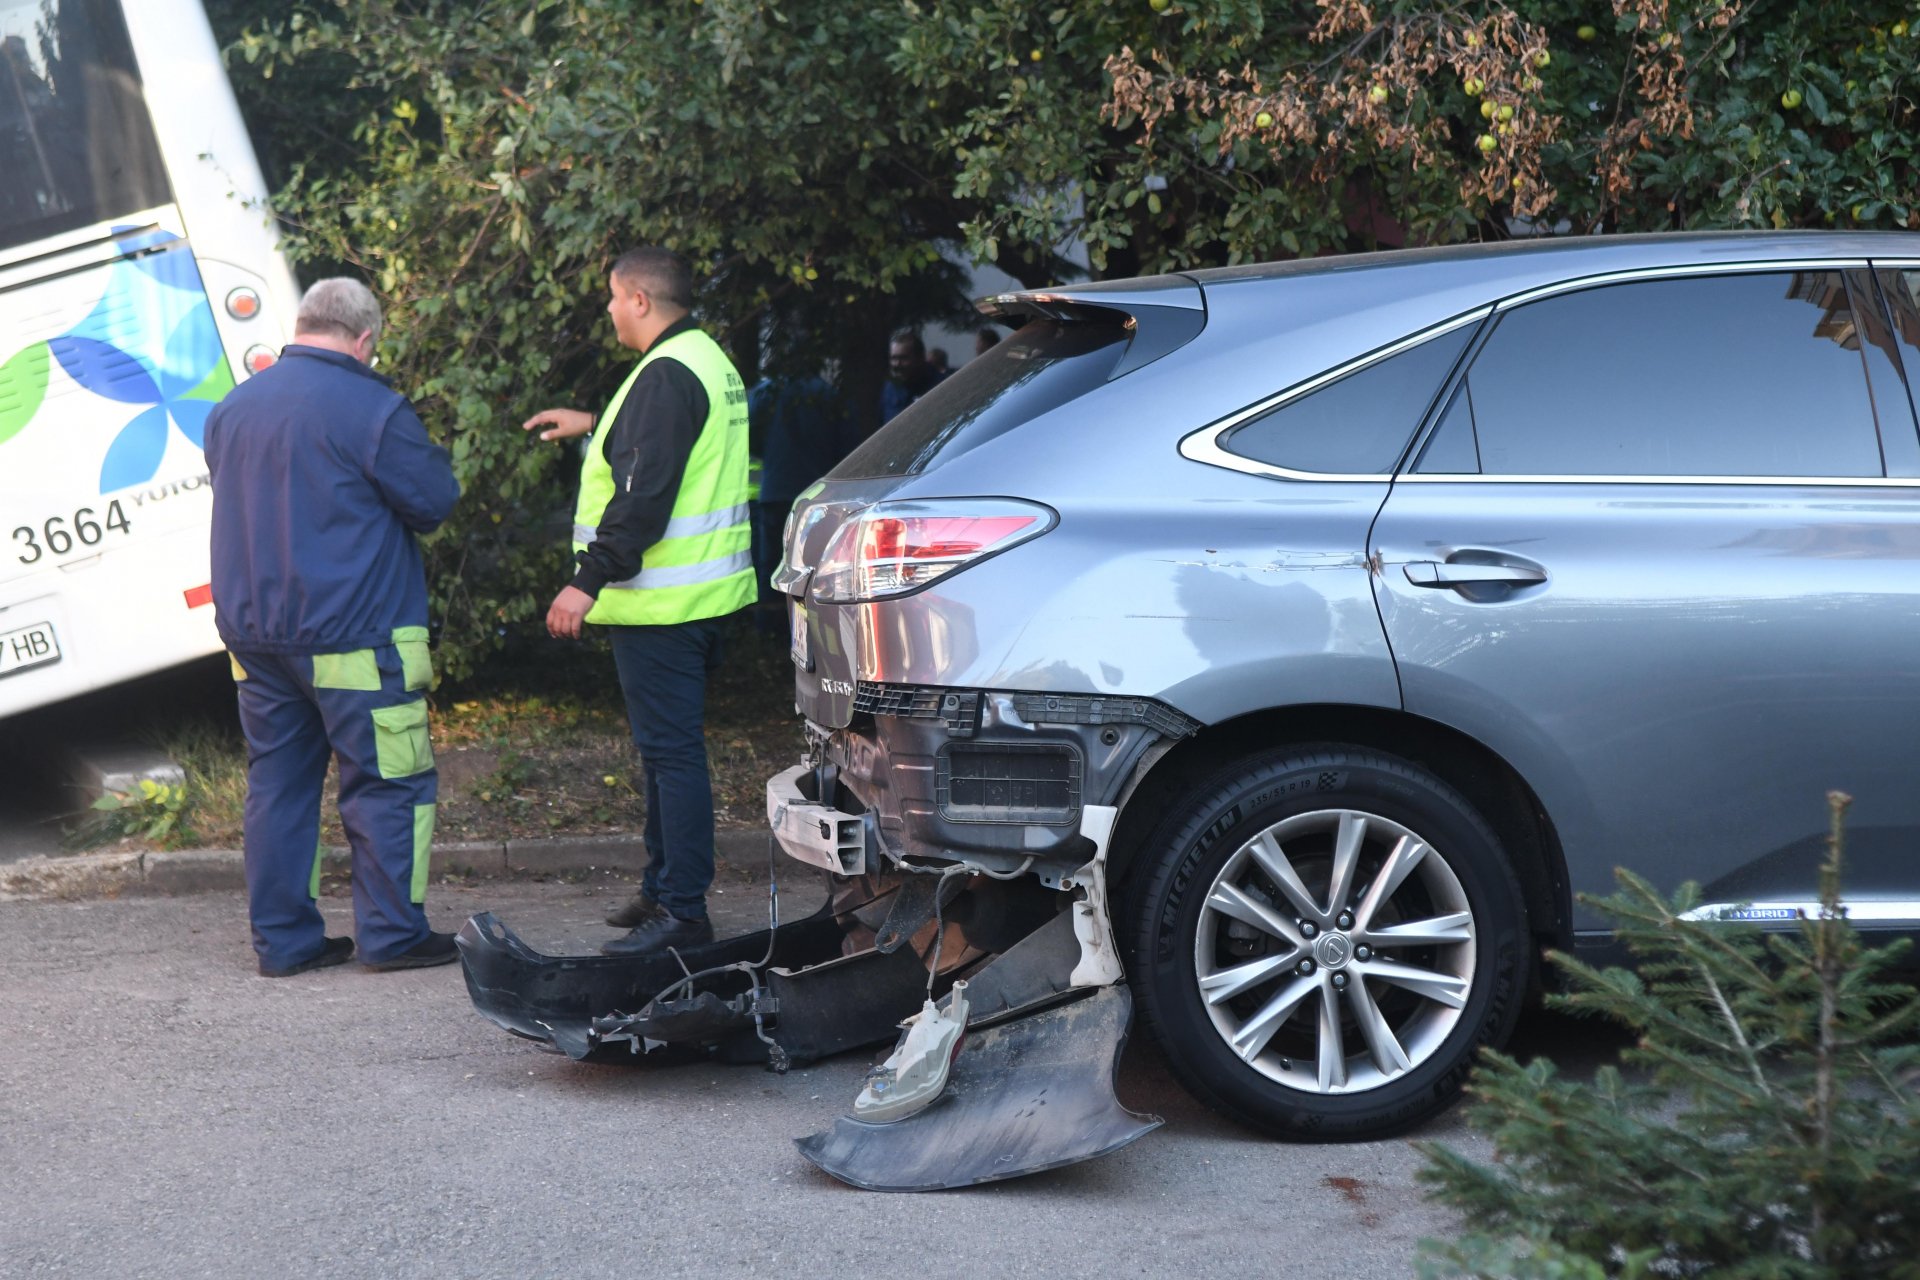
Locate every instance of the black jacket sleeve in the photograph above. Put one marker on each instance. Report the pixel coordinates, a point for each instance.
(647, 447)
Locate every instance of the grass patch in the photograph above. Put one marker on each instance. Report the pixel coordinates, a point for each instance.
(204, 810)
(535, 744)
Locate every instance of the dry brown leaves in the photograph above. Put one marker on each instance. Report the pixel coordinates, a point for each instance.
(1374, 94)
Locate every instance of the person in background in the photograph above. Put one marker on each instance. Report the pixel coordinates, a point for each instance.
(909, 375)
(986, 340)
(937, 357)
(803, 430)
(323, 480)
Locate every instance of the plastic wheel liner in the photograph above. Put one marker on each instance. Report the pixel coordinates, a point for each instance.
(1031, 1094)
(1012, 987)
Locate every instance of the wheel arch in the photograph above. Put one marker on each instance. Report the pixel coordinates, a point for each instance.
(1493, 786)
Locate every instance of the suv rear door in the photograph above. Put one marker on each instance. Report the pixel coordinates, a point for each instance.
(1658, 551)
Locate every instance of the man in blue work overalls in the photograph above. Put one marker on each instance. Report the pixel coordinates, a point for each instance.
(323, 478)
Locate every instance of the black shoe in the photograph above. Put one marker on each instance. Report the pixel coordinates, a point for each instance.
(663, 931)
(437, 948)
(332, 951)
(638, 910)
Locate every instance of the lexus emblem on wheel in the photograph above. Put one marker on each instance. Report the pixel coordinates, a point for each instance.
(1334, 950)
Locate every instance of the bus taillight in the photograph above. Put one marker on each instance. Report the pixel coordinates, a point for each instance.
(243, 304)
(260, 357)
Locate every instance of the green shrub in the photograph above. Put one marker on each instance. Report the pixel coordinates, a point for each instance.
(1778, 1134)
(152, 811)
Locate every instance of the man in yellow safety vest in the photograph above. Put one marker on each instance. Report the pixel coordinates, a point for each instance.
(662, 539)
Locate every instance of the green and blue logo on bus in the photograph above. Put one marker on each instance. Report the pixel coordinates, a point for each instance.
(150, 343)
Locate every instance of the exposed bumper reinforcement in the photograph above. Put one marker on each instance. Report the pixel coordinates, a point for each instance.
(814, 833)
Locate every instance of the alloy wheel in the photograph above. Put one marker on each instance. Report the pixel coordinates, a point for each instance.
(1335, 951)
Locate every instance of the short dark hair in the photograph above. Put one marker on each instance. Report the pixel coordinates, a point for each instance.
(665, 275)
(987, 338)
(912, 340)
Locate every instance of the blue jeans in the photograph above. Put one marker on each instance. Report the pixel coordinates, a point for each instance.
(663, 675)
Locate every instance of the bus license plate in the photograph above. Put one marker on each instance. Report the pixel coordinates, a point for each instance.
(29, 646)
(802, 656)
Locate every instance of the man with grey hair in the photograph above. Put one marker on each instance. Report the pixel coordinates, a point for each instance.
(341, 308)
(323, 479)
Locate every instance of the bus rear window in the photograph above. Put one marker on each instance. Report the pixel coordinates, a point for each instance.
(76, 146)
(1042, 366)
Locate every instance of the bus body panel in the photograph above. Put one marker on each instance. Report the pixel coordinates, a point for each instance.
(116, 339)
(216, 178)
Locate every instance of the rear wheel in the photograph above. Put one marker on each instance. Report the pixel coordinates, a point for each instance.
(1325, 939)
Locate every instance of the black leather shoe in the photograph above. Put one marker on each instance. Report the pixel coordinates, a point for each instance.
(663, 931)
(332, 951)
(436, 948)
(638, 910)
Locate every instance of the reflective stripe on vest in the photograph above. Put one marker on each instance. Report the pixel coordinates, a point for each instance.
(702, 567)
(688, 574)
(681, 526)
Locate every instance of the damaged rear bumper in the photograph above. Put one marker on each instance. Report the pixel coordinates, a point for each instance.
(966, 838)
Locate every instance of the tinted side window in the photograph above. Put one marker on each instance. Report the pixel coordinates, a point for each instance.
(1745, 375)
(1902, 286)
(75, 143)
(1902, 289)
(1452, 450)
(1880, 350)
(1358, 425)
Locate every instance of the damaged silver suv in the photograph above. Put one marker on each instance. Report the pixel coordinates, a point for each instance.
(1283, 649)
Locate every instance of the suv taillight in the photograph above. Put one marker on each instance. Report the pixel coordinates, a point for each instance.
(896, 547)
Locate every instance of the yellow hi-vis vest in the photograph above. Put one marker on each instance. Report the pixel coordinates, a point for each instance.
(702, 567)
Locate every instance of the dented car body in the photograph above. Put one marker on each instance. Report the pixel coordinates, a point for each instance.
(1280, 650)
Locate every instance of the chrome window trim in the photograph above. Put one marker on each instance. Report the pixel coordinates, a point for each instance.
(1203, 445)
(1679, 272)
(1783, 912)
(1787, 482)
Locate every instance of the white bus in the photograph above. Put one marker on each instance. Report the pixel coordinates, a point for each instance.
(139, 278)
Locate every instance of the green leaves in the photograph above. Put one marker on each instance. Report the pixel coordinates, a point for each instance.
(482, 161)
(1770, 1129)
(152, 811)
(486, 160)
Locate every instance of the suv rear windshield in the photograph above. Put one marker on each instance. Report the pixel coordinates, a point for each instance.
(76, 146)
(1042, 366)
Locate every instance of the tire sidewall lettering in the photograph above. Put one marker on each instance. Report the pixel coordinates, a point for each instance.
(1203, 846)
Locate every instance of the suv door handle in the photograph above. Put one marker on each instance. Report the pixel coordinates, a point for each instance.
(1431, 573)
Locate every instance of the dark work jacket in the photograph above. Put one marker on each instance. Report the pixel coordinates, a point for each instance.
(322, 477)
(648, 446)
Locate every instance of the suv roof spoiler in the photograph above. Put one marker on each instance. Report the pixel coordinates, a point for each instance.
(1163, 313)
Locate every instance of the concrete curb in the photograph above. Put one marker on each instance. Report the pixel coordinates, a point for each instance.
(116, 875)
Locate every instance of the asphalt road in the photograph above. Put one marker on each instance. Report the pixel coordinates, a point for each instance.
(165, 1112)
